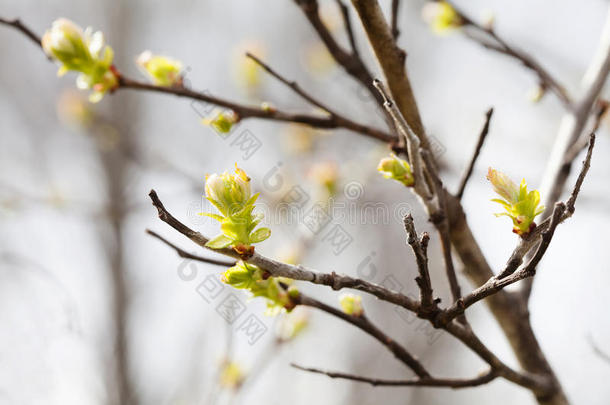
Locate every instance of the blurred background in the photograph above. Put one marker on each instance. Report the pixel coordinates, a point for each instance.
(95, 311)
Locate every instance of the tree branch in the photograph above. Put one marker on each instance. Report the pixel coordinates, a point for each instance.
(475, 155)
(364, 324)
(186, 255)
(394, 19)
(350, 61)
(347, 22)
(420, 247)
(17, 24)
(509, 275)
(278, 269)
(242, 111)
(484, 378)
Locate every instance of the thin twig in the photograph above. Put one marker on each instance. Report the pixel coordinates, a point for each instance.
(440, 219)
(350, 61)
(347, 22)
(419, 247)
(484, 378)
(364, 324)
(290, 83)
(16, 23)
(394, 19)
(409, 140)
(244, 111)
(600, 353)
(186, 255)
(475, 155)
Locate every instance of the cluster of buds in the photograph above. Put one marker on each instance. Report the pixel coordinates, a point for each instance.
(230, 193)
(163, 71)
(252, 278)
(441, 16)
(351, 304)
(82, 52)
(395, 168)
(521, 206)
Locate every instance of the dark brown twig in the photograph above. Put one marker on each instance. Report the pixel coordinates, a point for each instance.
(347, 22)
(484, 378)
(186, 255)
(394, 19)
(364, 324)
(243, 111)
(475, 155)
(420, 247)
(16, 23)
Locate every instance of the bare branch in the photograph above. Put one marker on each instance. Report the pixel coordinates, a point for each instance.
(347, 22)
(409, 140)
(290, 83)
(186, 255)
(350, 61)
(242, 111)
(364, 324)
(475, 155)
(488, 38)
(483, 378)
(17, 24)
(420, 247)
(394, 19)
(278, 269)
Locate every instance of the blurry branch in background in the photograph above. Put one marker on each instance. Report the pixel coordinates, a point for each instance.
(351, 61)
(484, 378)
(475, 155)
(572, 129)
(347, 22)
(598, 351)
(363, 323)
(487, 37)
